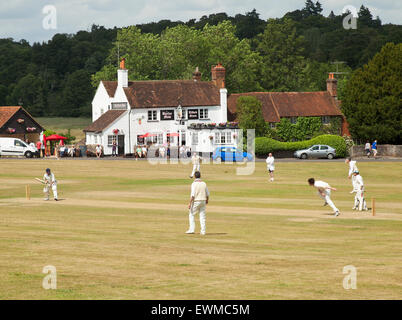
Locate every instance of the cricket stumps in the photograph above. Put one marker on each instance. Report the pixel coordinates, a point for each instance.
(373, 206)
(28, 192)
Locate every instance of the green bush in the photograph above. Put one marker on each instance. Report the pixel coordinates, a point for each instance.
(265, 145)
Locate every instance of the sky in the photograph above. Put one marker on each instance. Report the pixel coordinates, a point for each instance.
(39, 20)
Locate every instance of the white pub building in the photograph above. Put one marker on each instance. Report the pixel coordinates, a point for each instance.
(180, 112)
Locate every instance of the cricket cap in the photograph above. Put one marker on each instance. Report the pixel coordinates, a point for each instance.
(47, 170)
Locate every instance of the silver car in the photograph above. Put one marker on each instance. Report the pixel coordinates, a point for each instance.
(316, 151)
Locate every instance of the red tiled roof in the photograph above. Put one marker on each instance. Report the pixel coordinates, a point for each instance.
(6, 114)
(110, 87)
(276, 105)
(104, 121)
(168, 93)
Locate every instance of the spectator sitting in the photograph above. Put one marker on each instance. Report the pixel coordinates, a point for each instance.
(138, 152)
(98, 151)
(144, 151)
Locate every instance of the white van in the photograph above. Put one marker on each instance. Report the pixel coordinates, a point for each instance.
(16, 147)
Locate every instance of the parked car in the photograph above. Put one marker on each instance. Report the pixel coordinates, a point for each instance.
(316, 151)
(232, 154)
(16, 147)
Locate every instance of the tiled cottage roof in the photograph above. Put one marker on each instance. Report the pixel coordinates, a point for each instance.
(104, 121)
(276, 105)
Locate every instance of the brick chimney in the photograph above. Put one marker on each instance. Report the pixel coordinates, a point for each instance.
(197, 75)
(122, 75)
(332, 85)
(218, 75)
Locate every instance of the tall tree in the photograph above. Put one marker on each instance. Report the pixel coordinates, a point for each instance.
(282, 55)
(249, 113)
(373, 97)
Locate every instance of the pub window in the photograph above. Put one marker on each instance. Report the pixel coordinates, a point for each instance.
(217, 138)
(228, 137)
(223, 138)
(160, 138)
(203, 113)
(293, 120)
(152, 115)
(272, 125)
(140, 140)
(110, 140)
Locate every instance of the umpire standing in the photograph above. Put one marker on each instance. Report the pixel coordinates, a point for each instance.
(198, 202)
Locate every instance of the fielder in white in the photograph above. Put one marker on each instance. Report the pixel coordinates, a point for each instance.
(270, 166)
(195, 160)
(50, 181)
(352, 168)
(324, 191)
(198, 202)
(360, 202)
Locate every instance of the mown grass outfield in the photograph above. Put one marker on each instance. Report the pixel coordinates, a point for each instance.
(62, 125)
(119, 232)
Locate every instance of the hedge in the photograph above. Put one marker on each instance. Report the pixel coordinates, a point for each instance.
(265, 145)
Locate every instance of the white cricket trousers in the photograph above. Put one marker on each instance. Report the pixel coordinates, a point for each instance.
(360, 202)
(198, 206)
(328, 199)
(54, 189)
(196, 167)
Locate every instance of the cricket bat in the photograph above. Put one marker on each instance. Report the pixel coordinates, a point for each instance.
(40, 180)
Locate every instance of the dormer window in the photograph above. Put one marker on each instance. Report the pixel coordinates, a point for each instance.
(119, 105)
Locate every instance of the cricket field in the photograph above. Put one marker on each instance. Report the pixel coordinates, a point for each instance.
(119, 232)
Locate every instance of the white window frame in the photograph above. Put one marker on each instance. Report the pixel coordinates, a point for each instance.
(119, 106)
(160, 138)
(223, 137)
(203, 113)
(152, 115)
(110, 139)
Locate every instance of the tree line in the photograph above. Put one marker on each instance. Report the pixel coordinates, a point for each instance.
(291, 53)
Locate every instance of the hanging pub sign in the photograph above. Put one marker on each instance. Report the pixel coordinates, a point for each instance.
(192, 114)
(167, 114)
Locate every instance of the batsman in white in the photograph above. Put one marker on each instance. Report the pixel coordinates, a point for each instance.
(324, 191)
(50, 181)
(195, 160)
(270, 166)
(198, 202)
(360, 201)
(352, 168)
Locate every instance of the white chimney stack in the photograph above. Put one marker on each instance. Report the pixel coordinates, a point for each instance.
(122, 75)
(224, 104)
